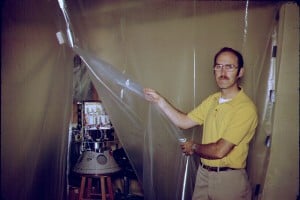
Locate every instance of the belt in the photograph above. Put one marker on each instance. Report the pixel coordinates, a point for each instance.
(216, 169)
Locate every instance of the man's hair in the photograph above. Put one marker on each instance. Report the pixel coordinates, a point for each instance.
(235, 52)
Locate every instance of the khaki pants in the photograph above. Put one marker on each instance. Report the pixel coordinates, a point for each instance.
(224, 185)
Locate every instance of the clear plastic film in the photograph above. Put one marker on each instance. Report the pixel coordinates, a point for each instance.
(268, 113)
(151, 141)
(259, 159)
(126, 45)
(144, 146)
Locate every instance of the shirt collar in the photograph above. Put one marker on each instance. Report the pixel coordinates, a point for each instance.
(233, 100)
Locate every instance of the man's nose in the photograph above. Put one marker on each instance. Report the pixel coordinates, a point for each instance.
(223, 71)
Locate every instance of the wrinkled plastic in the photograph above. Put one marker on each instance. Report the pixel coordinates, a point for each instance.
(144, 137)
(143, 145)
(126, 45)
(266, 88)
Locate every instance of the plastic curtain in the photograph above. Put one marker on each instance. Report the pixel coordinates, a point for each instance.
(150, 140)
(36, 97)
(126, 45)
(259, 159)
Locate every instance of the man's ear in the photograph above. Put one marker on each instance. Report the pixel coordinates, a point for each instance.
(241, 73)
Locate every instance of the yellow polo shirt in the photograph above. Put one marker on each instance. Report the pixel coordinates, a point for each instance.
(235, 121)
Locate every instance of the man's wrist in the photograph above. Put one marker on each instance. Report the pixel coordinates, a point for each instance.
(162, 102)
(194, 147)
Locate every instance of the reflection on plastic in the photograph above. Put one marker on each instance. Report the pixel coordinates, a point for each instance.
(144, 138)
(106, 72)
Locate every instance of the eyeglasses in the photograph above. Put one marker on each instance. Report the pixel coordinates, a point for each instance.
(226, 67)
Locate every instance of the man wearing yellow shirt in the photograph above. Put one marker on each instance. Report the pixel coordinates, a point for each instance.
(229, 119)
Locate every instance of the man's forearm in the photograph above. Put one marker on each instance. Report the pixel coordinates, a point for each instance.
(216, 150)
(207, 151)
(176, 116)
(179, 118)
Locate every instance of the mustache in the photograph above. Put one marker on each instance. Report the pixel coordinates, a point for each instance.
(223, 77)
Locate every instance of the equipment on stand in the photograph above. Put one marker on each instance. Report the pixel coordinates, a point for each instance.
(95, 139)
(99, 156)
(98, 140)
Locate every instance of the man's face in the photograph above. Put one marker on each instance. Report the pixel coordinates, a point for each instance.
(227, 79)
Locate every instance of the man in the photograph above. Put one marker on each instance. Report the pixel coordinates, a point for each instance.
(229, 120)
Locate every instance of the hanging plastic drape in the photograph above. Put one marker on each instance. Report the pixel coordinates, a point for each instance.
(36, 97)
(141, 39)
(126, 46)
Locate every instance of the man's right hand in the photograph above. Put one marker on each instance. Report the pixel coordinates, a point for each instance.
(152, 96)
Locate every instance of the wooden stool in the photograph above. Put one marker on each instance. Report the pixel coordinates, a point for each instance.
(85, 192)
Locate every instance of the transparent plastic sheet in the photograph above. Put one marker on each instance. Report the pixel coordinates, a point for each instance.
(151, 141)
(259, 158)
(36, 96)
(166, 45)
(143, 144)
(82, 85)
(285, 129)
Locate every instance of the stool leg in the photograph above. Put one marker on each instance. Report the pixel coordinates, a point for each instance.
(82, 186)
(89, 187)
(103, 192)
(110, 190)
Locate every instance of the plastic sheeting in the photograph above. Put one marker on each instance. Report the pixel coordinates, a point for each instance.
(152, 147)
(36, 96)
(150, 140)
(265, 104)
(127, 45)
